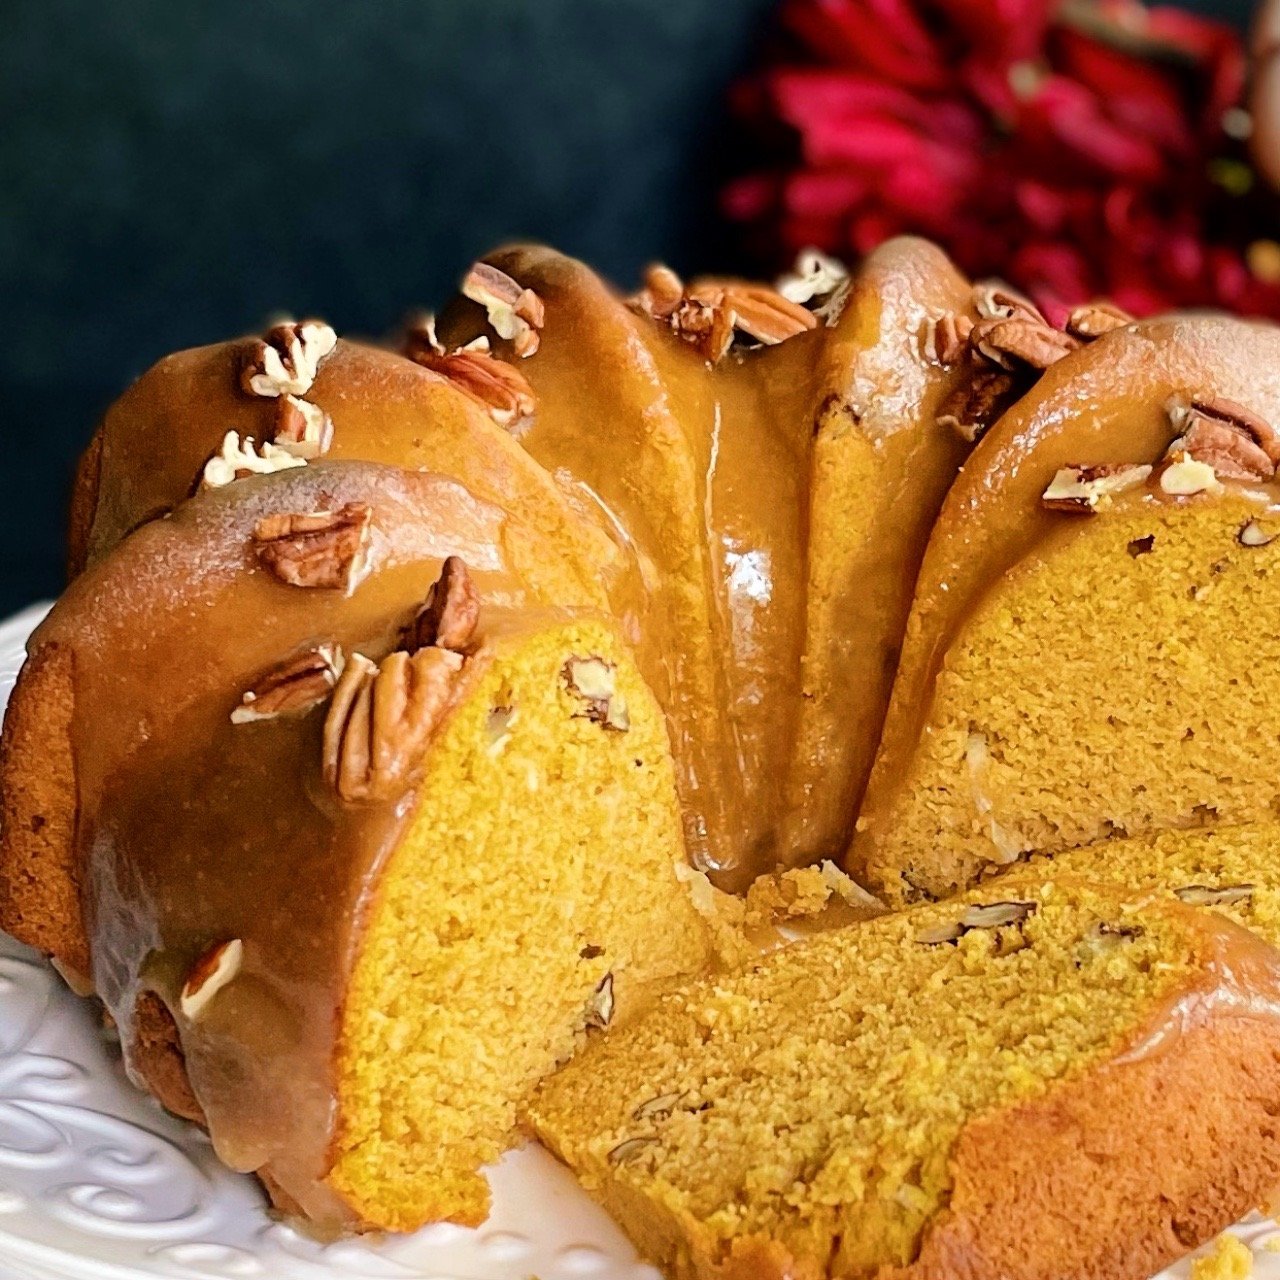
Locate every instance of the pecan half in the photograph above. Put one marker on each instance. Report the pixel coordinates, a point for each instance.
(1021, 339)
(302, 428)
(1253, 425)
(382, 718)
(1086, 489)
(448, 617)
(1231, 453)
(215, 968)
(515, 313)
(1236, 443)
(765, 315)
(237, 459)
(1096, 318)
(502, 389)
(326, 549)
(284, 361)
(296, 686)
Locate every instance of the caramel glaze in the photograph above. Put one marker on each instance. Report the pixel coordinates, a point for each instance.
(194, 830)
(154, 441)
(757, 494)
(1103, 404)
(1240, 979)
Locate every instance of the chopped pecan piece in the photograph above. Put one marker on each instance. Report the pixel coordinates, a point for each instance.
(1103, 939)
(382, 718)
(947, 338)
(994, 300)
(815, 276)
(1096, 318)
(1200, 895)
(592, 679)
(996, 915)
(448, 617)
(658, 1108)
(599, 1011)
(515, 313)
(663, 292)
(298, 685)
(236, 460)
(976, 401)
(302, 428)
(1252, 534)
(326, 549)
(502, 389)
(631, 1150)
(218, 966)
(284, 361)
(1086, 489)
(709, 312)
(1185, 476)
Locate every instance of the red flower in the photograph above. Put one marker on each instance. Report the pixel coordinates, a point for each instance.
(1082, 149)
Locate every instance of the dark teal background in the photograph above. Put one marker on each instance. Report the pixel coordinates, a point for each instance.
(172, 171)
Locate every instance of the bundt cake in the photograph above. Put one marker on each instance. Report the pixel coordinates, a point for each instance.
(412, 712)
(1091, 629)
(944, 1092)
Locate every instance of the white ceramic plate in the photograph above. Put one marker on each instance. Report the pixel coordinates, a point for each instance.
(98, 1183)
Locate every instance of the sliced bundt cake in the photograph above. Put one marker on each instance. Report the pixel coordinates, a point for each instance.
(1093, 622)
(336, 789)
(946, 1092)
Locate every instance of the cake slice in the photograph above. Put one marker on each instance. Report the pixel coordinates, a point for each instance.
(1093, 626)
(881, 460)
(357, 827)
(1051, 1079)
(1234, 870)
(607, 430)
